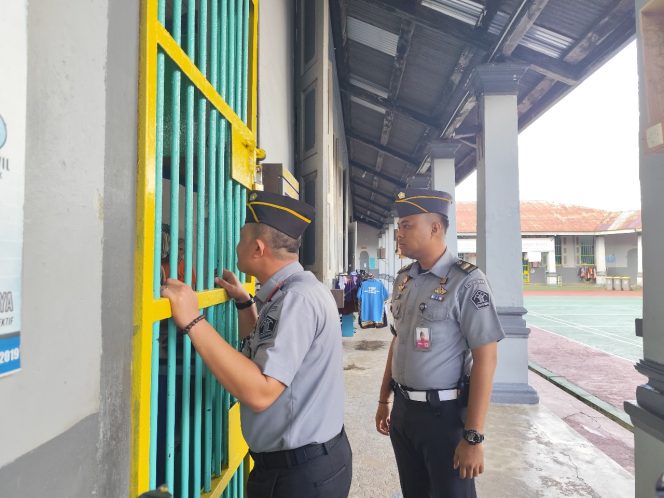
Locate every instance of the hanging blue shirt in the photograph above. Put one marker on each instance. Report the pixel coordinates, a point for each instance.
(372, 294)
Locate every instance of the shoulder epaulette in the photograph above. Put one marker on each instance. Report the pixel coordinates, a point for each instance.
(405, 268)
(465, 266)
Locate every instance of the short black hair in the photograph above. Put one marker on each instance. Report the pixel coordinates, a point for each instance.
(444, 220)
(277, 240)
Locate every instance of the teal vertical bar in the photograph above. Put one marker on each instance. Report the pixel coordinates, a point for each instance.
(228, 238)
(156, 283)
(159, 173)
(245, 62)
(240, 479)
(230, 212)
(188, 256)
(221, 221)
(174, 221)
(212, 215)
(221, 264)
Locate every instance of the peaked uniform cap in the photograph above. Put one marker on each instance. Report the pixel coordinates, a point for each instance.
(420, 200)
(289, 216)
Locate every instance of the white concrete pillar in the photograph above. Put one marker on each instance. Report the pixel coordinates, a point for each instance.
(391, 270)
(647, 413)
(443, 177)
(498, 223)
(639, 262)
(551, 275)
(600, 260)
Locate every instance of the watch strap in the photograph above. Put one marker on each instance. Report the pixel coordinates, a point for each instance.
(246, 304)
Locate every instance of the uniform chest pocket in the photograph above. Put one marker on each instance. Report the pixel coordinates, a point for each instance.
(435, 311)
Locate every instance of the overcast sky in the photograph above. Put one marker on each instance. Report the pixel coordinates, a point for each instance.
(584, 150)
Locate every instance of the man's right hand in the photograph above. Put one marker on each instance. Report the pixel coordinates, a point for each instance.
(383, 419)
(230, 283)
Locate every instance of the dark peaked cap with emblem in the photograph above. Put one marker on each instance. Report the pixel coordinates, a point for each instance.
(281, 212)
(421, 200)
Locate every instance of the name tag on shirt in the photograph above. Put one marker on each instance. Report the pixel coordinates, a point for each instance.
(422, 339)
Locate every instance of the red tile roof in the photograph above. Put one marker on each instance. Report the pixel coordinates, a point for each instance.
(551, 217)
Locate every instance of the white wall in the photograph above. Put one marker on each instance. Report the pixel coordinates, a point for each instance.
(367, 240)
(63, 231)
(275, 81)
(617, 247)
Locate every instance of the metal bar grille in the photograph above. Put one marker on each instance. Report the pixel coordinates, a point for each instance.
(197, 158)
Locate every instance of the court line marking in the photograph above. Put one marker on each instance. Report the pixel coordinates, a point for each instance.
(584, 328)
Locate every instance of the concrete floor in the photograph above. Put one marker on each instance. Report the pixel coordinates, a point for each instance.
(530, 451)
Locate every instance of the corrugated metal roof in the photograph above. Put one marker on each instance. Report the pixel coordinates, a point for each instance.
(405, 135)
(573, 18)
(463, 10)
(538, 38)
(372, 36)
(370, 64)
(360, 82)
(440, 31)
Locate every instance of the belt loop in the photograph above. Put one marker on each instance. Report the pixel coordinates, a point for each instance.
(433, 399)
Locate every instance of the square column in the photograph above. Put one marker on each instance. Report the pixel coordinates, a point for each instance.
(390, 248)
(600, 260)
(551, 275)
(639, 262)
(499, 251)
(443, 177)
(647, 413)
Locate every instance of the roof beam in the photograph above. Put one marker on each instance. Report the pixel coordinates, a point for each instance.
(522, 23)
(547, 66)
(378, 211)
(367, 216)
(456, 103)
(388, 105)
(370, 188)
(398, 182)
(372, 204)
(381, 148)
(535, 94)
(610, 20)
(403, 47)
(369, 222)
(620, 37)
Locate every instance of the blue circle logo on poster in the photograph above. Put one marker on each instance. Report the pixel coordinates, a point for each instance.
(3, 132)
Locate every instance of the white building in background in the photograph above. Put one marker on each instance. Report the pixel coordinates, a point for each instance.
(567, 244)
(560, 243)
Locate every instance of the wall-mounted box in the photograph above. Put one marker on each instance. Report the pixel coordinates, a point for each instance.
(277, 179)
(652, 42)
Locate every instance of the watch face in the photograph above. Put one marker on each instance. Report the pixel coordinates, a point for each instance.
(473, 437)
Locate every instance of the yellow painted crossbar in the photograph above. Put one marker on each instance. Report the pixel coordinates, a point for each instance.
(243, 140)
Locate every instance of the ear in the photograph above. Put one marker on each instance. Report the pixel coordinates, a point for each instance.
(436, 228)
(260, 248)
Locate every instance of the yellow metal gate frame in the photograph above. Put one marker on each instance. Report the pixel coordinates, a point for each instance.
(147, 309)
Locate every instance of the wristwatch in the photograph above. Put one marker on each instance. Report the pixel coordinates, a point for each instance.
(245, 304)
(473, 437)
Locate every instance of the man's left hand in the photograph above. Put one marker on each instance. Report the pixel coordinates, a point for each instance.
(469, 459)
(184, 302)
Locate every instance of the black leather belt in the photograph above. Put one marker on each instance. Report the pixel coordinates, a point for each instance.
(286, 459)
